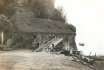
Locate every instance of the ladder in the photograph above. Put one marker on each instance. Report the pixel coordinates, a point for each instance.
(54, 41)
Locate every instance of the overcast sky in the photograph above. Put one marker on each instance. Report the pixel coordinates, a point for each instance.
(88, 17)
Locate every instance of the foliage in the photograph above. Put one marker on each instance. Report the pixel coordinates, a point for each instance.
(72, 27)
(47, 11)
(10, 10)
(4, 23)
(42, 9)
(8, 1)
(59, 15)
(1, 6)
(5, 5)
(39, 10)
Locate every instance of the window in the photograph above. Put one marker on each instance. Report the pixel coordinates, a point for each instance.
(34, 36)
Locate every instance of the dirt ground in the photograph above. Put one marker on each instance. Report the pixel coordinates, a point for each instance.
(100, 65)
(29, 60)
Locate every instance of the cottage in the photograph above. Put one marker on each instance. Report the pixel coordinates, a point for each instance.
(26, 28)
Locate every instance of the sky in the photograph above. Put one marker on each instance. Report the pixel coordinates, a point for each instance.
(88, 17)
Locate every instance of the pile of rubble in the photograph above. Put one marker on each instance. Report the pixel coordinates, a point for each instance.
(56, 46)
(80, 58)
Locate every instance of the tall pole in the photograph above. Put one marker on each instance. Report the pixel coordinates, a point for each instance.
(90, 53)
(2, 38)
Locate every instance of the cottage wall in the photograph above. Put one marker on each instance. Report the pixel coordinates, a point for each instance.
(24, 40)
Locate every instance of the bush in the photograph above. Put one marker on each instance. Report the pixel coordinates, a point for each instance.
(72, 27)
(44, 9)
(10, 10)
(59, 15)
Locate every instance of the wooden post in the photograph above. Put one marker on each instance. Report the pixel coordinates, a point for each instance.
(41, 38)
(95, 54)
(2, 38)
(12, 39)
(90, 53)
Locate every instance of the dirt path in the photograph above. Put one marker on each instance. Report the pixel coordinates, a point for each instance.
(28, 60)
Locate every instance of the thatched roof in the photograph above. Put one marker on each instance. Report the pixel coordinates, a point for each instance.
(27, 23)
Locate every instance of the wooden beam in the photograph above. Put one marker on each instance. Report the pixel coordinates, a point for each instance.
(2, 38)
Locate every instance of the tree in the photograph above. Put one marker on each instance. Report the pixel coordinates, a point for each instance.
(10, 10)
(42, 8)
(4, 3)
(8, 1)
(59, 15)
(1, 6)
(4, 23)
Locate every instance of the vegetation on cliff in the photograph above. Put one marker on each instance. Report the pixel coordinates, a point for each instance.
(41, 9)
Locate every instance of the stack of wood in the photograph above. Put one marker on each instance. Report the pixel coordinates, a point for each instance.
(49, 45)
